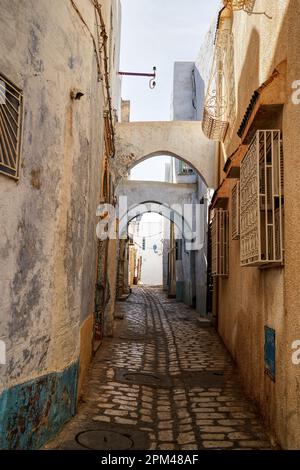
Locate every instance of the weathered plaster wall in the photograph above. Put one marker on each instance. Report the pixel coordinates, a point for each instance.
(48, 242)
(184, 92)
(188, 103)
(112, 271)
(86, 350)
(251, 298)
(32, 412)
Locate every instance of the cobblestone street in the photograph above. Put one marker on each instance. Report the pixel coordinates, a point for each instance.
(163, 382)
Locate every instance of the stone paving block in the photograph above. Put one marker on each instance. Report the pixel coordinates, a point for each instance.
(213, 437)
(186, 438)
(217, 444)
(166, 436)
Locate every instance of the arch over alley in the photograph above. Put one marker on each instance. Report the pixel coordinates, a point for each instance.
(167, 199)
(137, 141)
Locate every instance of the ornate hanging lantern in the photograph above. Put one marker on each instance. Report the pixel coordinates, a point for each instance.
(244, 5)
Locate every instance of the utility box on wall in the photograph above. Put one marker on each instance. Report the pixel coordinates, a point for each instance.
(270, 352)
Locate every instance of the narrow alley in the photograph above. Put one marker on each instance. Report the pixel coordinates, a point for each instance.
(150, 228)
(162, 382)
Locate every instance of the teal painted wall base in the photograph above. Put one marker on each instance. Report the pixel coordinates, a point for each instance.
(33, 412)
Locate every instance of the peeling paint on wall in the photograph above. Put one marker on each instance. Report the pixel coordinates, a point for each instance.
(33, 412)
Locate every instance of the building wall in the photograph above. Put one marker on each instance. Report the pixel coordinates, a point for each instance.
(191, 268)
(251, 298)
(48, 243)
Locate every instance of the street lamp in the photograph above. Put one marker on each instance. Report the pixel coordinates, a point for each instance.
(152, 82)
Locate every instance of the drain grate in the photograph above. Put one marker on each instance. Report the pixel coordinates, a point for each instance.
(136, 338)
(113, 438)
(205, 379)
(143, 378)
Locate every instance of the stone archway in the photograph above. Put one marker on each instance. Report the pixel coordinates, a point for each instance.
(137, 141)
(170, 200)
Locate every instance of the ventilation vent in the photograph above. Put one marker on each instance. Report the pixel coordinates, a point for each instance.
(261, 205)
(235, 212)
(10, 127)
(219, 240)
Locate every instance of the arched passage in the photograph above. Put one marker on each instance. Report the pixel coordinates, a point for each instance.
(137, 141)
(174, 201)
(184, 229)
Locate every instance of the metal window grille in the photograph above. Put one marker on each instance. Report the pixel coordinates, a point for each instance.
(235, 212)
(219, 243)
(261, 201)
(11, 104)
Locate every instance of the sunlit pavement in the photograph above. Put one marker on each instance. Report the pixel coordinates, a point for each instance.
(186, 394)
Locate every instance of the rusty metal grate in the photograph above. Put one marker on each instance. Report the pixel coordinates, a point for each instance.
(235, 212)
(11, 106)
(261, 193)
(219, 237)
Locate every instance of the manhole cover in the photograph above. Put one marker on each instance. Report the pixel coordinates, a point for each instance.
(143, 378)
(205, 379)
(104, 440)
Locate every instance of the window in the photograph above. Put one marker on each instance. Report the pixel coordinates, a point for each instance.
(11, 103)
(235, 212)
(219, 243)
(261, 194)
(184, 169)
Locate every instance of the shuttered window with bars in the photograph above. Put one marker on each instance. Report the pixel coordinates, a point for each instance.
(235, 212)
(261, 199)
(219, 243)
(11, 102)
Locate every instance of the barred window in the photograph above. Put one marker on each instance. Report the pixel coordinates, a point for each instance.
(11, 104)
(261, 193)
(235, 212)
